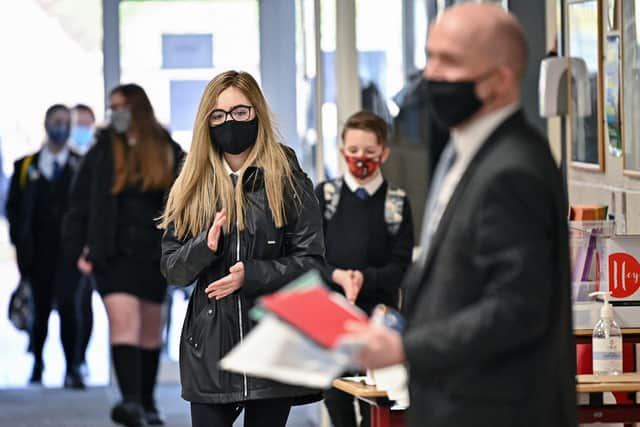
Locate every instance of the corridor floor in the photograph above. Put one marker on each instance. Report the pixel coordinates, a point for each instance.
(37, 406)
(56, 407)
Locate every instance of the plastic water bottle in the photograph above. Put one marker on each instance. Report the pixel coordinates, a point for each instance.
(607, 341)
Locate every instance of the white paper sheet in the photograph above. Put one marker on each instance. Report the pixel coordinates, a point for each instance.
(275, 350)
(393, 380)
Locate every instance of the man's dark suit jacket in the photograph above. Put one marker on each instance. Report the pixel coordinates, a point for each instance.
(489, 339)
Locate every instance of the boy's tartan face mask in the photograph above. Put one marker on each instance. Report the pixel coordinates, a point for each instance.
(362, 167)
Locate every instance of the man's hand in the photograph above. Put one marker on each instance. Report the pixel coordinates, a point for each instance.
(383, 345)
(228, 284)
(216, 229)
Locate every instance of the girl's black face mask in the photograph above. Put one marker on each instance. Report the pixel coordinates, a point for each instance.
(234, 137)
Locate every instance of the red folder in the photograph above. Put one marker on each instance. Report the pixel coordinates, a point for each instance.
(317, 312)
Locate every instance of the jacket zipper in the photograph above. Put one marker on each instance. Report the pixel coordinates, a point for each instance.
(244, 374)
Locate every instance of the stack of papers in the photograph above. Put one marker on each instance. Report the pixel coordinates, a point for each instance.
(394, 380)
(301, 338)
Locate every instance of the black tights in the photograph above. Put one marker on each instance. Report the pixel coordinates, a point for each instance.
(43, 297)
(257, 413)
(85, 319)
(341, 410)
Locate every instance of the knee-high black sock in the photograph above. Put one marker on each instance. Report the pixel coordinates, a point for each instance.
(150, 360)
(126, 361)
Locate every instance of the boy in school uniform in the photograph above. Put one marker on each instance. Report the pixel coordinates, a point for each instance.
(368, 233)
(36, 202)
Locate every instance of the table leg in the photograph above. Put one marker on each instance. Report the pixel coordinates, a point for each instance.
(383, 416)
(380, 416)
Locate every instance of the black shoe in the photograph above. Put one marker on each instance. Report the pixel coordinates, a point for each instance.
(73, 379)
(152, 416)
(36, 373)
(129, 414)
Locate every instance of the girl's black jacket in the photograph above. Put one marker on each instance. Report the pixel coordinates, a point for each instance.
(272, 257)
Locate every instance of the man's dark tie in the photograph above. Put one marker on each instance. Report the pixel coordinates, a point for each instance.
(57, 170)
(447, 159)
(234, 178)
(361, 194)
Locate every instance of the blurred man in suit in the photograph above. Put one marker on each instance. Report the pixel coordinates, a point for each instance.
(489, 340)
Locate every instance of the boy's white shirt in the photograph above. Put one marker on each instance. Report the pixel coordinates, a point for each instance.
(47, 157)
(371, 187)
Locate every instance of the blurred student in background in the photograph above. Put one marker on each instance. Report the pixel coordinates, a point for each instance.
(83, 123)
(111, 231)
(82, 138)
(37, 201)
(368, 234)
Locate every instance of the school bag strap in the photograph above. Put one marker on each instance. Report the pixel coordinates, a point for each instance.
(393, 204)
(331, 190)
(24, 169)
(393, 208)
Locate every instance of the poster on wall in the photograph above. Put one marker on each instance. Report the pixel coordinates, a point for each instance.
(612, 94)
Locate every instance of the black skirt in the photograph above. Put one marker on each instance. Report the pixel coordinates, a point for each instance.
(135, 269)
(134, 276)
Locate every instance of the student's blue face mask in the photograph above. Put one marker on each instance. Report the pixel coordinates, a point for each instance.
(58, 134)
(82, 135)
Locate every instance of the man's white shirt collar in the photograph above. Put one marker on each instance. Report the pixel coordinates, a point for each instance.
(468, 140)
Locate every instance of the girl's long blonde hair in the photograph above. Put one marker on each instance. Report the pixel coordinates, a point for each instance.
(203, 186)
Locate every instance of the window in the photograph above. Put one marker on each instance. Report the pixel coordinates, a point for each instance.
(173, 48)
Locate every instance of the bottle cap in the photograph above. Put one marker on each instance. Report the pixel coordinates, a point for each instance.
(606, 312)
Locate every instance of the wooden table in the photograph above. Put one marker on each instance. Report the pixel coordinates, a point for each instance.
(382, 412)
(384, 415)
(596, 411)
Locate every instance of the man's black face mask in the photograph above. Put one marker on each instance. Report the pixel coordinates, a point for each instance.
(453, 102)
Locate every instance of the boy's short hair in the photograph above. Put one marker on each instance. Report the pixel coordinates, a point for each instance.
(366, 120)
(85, 108)
(54, 109)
